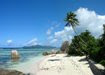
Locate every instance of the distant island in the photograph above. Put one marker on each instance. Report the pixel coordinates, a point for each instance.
(38, 46)
(27, 47)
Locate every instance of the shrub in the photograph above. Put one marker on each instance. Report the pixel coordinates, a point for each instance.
(45, 53)
(58, 52)
(102, 62)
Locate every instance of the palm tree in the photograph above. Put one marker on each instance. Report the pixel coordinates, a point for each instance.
(73, 21)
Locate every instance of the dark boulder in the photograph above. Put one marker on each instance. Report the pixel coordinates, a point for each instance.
(10, 72)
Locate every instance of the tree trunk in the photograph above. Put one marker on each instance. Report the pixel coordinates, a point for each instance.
(79, 36)
(81, 40)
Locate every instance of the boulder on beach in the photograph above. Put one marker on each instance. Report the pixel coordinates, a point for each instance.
(15, 54)
(10, 72)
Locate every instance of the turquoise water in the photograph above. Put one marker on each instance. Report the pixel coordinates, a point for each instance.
(25, 56)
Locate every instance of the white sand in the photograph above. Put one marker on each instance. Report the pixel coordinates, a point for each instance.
(61, 66)
(64, 66)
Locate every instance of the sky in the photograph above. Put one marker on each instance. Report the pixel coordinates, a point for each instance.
(32, 22)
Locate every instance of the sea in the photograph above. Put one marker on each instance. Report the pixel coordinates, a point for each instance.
(26, 56)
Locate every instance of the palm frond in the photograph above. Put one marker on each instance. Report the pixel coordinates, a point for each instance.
(71, 19)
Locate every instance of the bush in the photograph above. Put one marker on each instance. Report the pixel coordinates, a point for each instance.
(59, 52)
(102, 62)
(45, 53)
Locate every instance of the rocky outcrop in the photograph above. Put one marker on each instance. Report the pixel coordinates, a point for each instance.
(10, 72)
(97, 69)
(14, 54)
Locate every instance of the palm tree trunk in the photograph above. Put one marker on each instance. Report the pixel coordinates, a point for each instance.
(79, 36)
(81, 40)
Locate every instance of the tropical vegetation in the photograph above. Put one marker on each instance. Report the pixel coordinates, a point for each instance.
(85, 43)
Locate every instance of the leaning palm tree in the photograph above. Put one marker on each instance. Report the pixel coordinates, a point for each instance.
(73, 21)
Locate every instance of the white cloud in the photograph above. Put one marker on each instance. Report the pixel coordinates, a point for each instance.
(88, 20)
(50, 37)
(64, 34)
(32, 42)
(49, 31)
(9, 41)
(53, 41)
(60, 36)
(91, 21)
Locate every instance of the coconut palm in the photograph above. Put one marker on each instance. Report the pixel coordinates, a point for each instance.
(73, 21)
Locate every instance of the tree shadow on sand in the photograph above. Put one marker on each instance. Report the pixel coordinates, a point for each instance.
(83, 60)
(94, 69)
(54, 60)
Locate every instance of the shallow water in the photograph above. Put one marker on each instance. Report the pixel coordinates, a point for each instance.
(26, 55)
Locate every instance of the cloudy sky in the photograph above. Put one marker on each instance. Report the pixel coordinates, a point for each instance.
(32, 22)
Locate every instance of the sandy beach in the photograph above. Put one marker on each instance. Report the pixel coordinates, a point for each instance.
(61, 65)
(57, 64)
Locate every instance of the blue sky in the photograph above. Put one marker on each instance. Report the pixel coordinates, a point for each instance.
(27, 21)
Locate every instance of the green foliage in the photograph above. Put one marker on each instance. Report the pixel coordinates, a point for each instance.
(79, 48)
(101, 53)
(45, 53)
(94, 48)
(102, 62)
(94, 54)
(85, 43)
(71, 19)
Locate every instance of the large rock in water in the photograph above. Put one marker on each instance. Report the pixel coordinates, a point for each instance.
(10, 72)
(14, 54)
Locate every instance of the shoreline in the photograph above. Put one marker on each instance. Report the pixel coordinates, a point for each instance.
(56, 64)
(40, 62)
(29, 67)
